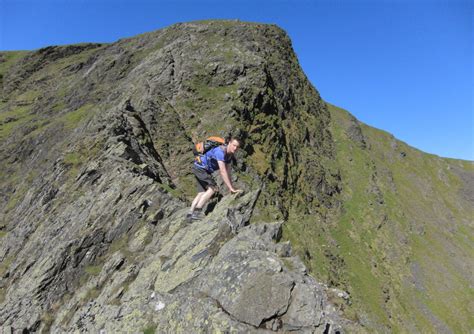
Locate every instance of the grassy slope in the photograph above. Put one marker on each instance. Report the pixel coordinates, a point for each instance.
(403, 242)
(8, 58)
(24, 119)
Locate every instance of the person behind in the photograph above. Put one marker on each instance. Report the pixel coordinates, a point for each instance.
(217, 158)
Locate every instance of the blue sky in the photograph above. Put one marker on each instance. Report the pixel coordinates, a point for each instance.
(402, 66)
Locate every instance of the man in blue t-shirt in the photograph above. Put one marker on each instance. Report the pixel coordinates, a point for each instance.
(218, 158)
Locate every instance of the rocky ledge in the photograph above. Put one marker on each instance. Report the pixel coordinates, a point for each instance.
(219, 274)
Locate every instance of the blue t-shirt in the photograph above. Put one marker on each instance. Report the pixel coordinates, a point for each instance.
(210, 158)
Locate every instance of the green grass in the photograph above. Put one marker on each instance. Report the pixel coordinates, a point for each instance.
(73, 158)
(368, 247)
(258, 160)
(186, 187)
(13, 119)
(47, 320)
(21, 183)
(15, 199)
(120, 244)
(171, 191)
(40, 126)
(83, 152)
(59, 65)
(93, 270)
(2, 295)
(92, 294)
(10, 58)
(209, 98)
(28, 96)
(72, 119)
(20, 117)
(414, 196)
(151, 329)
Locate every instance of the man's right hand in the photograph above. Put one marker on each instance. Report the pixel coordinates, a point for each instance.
(235, 191)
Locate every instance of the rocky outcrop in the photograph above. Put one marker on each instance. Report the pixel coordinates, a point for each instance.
(201, 277)
(96, 147)
(218, 274)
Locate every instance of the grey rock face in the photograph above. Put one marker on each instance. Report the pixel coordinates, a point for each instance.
(196, 282)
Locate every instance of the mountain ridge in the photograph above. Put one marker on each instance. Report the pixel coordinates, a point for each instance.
(106, 179)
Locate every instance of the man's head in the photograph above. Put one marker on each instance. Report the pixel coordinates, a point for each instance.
(233, 145)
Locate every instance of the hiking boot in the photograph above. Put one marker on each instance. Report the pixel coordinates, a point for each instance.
(189, 218)
(198, 215)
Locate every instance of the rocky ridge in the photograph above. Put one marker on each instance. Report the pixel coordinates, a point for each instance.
(94, 140)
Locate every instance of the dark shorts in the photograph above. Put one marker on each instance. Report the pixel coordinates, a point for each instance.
(204, 179)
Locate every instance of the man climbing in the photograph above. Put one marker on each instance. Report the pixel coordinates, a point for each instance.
(217, 158)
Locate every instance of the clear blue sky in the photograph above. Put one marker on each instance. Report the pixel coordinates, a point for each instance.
(404, 66)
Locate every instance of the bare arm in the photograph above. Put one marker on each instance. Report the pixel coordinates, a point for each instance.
(225, 173)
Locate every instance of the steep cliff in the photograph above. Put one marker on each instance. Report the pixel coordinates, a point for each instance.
(95, 180)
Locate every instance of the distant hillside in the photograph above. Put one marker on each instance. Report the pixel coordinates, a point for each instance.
(402, 243)
(341, 228)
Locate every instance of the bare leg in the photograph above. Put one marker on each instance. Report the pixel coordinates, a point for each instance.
(196, 200)
(205, 197)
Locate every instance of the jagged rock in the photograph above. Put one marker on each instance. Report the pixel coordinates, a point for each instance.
(198, 277)
(354, 132)
(95, 150)
(96, 221)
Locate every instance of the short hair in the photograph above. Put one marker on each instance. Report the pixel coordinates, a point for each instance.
(238, 140)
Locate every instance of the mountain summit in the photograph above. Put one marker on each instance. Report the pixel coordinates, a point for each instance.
(341, 226)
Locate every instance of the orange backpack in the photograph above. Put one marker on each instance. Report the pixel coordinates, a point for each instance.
(202, 147)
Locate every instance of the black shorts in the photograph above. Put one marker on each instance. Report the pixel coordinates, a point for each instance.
(204, 179)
